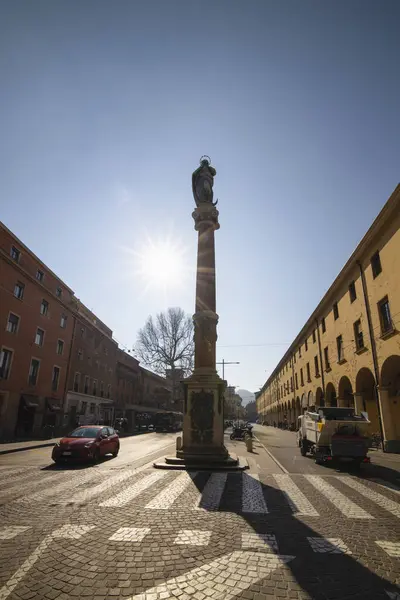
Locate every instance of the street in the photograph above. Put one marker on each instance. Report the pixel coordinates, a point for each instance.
(285, 528)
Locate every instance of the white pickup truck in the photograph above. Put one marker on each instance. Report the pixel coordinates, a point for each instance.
(332, 434)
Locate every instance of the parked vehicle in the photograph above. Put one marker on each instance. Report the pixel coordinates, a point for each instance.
(87, 443)
(241, 432)
(332, 434)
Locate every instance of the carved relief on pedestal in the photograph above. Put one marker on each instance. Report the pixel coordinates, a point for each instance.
(202, 417)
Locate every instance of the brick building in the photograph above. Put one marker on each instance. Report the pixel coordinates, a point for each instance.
(59, 363)
(36, 328)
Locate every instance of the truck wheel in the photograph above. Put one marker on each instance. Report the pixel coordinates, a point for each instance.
(303, 448)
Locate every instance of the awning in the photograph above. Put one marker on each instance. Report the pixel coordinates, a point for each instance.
(52, 406)
(30, 401)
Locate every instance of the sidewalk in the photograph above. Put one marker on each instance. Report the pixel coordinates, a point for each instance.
(31, 445)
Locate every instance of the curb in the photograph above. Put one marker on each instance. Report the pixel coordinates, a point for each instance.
(22, 449)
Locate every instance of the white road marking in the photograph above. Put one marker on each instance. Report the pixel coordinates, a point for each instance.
(7, 533)
(328, 545)
(382, 501)
(17, 487)
(130, 534)
(72, 532)
(252, 495)
(167, 497)
(210, 497)
(67, 483)
(235, 573)
(193, 537)
(69, 531)
(265, 541)
(340, 501)
(386, 484)
(134, 490)
(391, 548)
(295, 497)
(104, 486)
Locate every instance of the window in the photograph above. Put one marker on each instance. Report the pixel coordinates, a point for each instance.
(77, 380)
(339, 345)
(83, 408)
(101, 389)
(297, 381)
(82, 331)
(323, 325)
(352, 291)
(300, 352)
(376, 264)
(44, 307)
(55, 378)
(306, 345)
(109, 390)
(358, 335)
(384, 315)
(34, 371)
(92, 408)
(294, 358)
(316, 366)
(326, 356)
(15, 253)
(94, 387)
(58, 292)
(86, 388)
(39, 275)
(291, 384)
(39, 337)
(5, 363)
(301, 377)
(335, 311)
(313, 336)
(80, 354)
(19, 290)
(12, 323)
(60, 346)
(63, 322)
(308, 372)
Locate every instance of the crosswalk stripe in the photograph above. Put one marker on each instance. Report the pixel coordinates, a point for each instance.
(66, 484)
(10, 490)
(211, 496)
(134, 490)
(328, 545)
(386, 503)
(340, 501)
(109, 482)
(252, 495)
(167, 497)
(386, 484)
(391, 548)
(295, 497)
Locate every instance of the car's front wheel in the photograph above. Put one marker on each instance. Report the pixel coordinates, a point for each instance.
(115, 453)
(96, 455)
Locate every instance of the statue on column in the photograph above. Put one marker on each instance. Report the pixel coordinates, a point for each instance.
(203, 181)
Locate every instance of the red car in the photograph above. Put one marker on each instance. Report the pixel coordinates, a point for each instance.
(89, 442)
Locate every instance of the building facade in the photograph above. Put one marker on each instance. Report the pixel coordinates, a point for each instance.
(36, 328)
(348, 352)
(59, 363)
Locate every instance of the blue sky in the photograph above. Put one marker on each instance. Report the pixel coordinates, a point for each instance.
(106, 108)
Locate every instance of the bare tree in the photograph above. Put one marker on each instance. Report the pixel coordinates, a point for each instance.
(166, 342)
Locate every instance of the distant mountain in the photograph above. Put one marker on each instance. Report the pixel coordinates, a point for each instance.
(246, 396)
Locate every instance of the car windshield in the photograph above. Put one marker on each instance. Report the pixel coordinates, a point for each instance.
(84, 432)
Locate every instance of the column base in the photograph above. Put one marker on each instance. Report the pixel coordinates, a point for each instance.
(203, 463)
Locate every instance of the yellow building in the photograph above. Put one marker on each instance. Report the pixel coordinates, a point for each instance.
(348, 352)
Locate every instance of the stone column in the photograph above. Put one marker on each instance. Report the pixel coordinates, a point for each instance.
(391, 444)
(358, 403)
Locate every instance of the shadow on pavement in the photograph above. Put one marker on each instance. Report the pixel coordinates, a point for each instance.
(322, 575)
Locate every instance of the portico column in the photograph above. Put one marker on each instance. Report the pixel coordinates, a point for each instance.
(390, 442)
(358, 403)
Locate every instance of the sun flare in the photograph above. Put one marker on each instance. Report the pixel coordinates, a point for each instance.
(161, 263)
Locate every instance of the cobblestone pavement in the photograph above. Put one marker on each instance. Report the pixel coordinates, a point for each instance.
(144, 534)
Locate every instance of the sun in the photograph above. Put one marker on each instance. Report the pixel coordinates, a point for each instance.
(160, 263)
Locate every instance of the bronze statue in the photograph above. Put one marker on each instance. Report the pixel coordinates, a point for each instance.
(202, 183)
